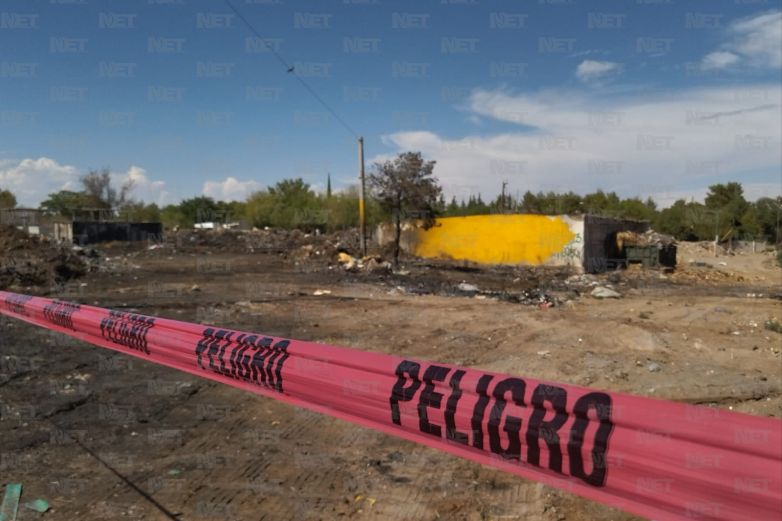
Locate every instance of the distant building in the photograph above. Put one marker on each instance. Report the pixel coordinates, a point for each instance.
(30, 220)
(38, 222)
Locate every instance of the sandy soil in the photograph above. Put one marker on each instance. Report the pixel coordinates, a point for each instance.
(102, 436)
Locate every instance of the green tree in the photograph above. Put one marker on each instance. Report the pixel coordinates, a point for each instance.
(750, 224)
(296, 205)
(634, 208)
(452, 210)
(530, 203)
(197, 209)
(7, 199)
(769, 216)
(729, 203)
(67, 203)
(171, 215)
(406, 188)
(259, 208)
(676, 220)
(137, 211)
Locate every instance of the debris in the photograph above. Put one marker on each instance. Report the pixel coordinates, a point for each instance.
(530, 297)
(467, 288)
(647, 238)
(375, 264)
(773, 324)
(319, 292)
(603, 292)
(653, 367)
(10, 505)
(38, 505)
(27, 260)
(195, 287)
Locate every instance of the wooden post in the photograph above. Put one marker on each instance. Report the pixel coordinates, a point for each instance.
(361, 204)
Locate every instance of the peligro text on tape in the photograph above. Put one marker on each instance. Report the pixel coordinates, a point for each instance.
(659, 459)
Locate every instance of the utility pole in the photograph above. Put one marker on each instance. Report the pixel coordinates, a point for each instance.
(362, 222)
(502, 198)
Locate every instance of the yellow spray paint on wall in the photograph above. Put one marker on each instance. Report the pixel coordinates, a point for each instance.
(499, 239)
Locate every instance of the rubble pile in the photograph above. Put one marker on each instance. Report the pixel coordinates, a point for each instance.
(27, 261)
(294, 245)
(647, 238)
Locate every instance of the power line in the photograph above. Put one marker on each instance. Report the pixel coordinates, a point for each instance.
(291, 69)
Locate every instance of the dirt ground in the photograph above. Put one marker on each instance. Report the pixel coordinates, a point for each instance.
(102, 436)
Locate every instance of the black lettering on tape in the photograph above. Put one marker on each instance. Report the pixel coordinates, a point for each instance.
(243, 357)
(512, 427)
(61, 313)
(430, 398)
(282, 347)
(601, 403)
(405, 371)
(17, 304)
(203, 344)
(127, 329)
(450, 409)
(258, 371)
(479, 410)
(538, 428)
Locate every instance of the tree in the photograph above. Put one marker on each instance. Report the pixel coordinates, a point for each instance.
(197, 209)
(750, 224)
(406, 187)
(728, 201)
(139, 212)
(296, 205)
(98, 187)
(530, 203)
(259, 208)
(171, 215)
(67, 203)
(769, 212)
(7, 199)
(452, 210)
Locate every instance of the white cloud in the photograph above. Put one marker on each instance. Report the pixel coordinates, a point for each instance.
(755, 41)
(718, 60)
(230, 189)
(591, 69)
(143, 188)
(31, 180)
(650, 144)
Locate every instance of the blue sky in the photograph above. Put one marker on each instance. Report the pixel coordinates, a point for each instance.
(649, 97)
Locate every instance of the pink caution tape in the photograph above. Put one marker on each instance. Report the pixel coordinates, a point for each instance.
(659, 459)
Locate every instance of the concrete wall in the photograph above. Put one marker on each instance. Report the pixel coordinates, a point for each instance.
(496, 239)
(92, 232)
